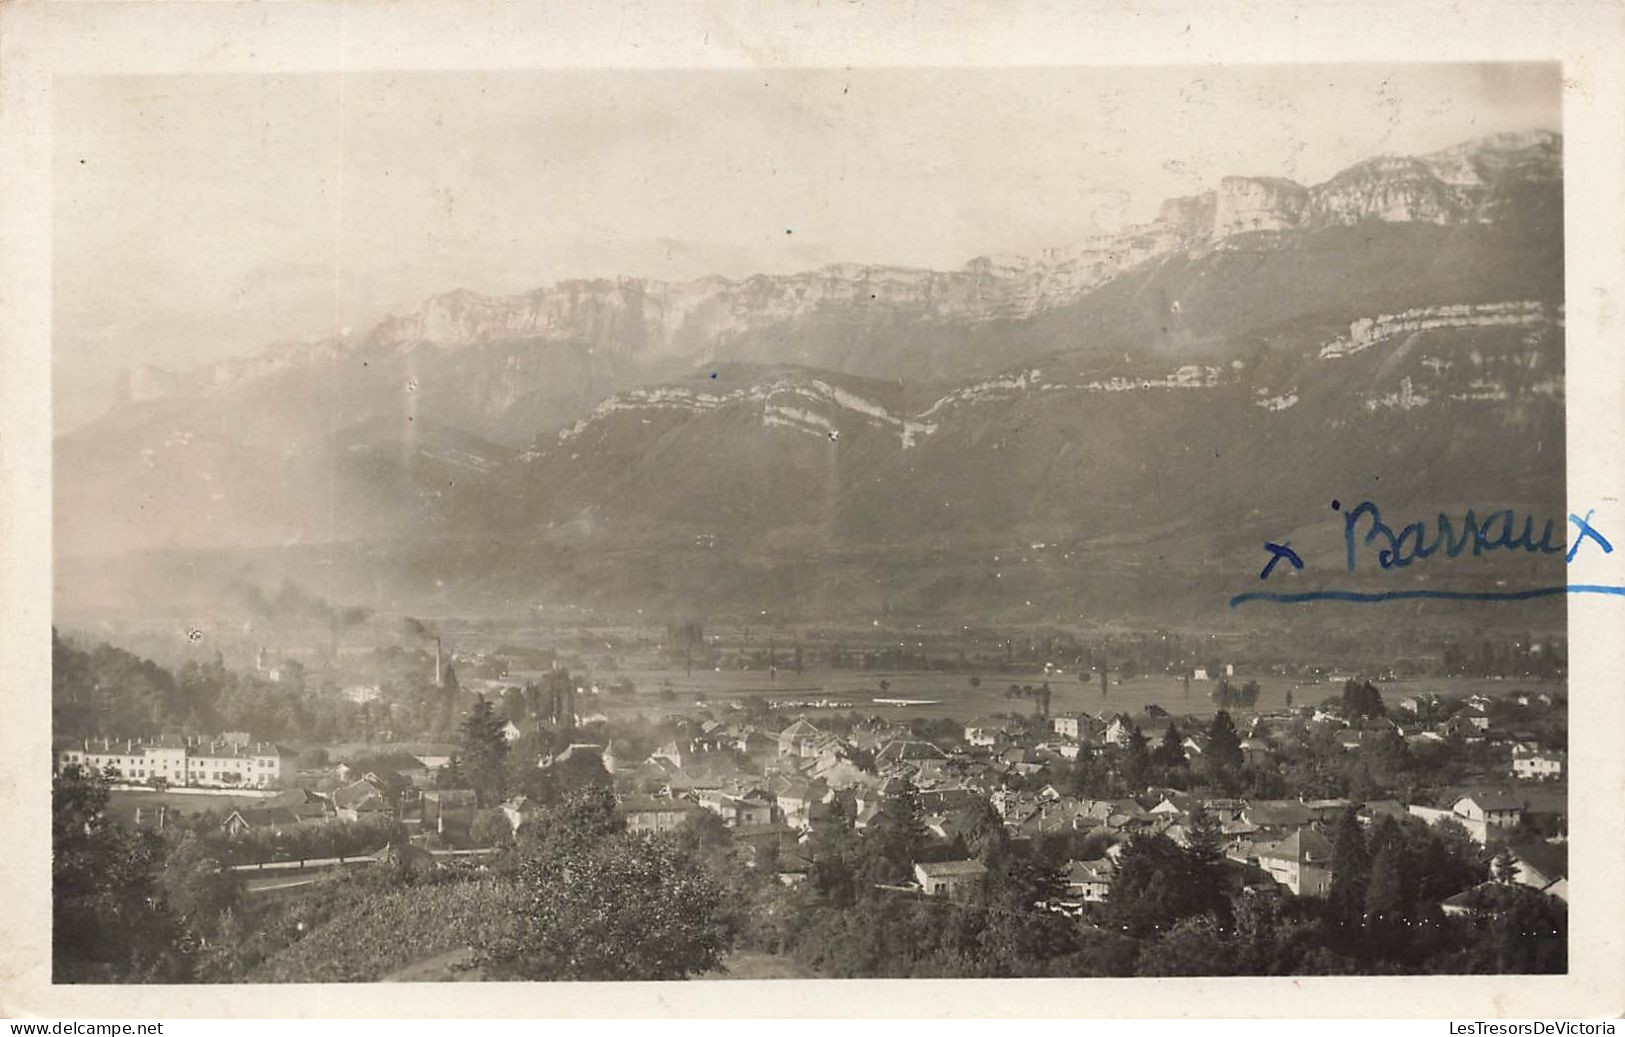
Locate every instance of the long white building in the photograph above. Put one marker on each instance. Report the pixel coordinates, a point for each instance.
(185, 761)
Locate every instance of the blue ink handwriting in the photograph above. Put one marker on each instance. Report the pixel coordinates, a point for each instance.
(1502, 530)
(1587, 533)
(1278, 552)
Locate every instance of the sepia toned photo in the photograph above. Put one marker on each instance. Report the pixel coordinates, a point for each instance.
(811, 523)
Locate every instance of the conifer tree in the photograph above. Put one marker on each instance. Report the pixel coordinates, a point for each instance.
(1171, 753)
(1351, 864)
(1223, 753)
(484, 751)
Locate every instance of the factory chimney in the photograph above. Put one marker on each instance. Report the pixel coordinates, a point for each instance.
(437, 662)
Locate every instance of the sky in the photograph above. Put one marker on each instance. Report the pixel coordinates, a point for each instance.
(205, 216)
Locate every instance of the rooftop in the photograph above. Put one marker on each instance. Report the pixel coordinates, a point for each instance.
(951, 869)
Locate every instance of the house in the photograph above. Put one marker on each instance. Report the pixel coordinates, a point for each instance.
(795, 800)
(306, 805)
(585, 754)
(1076, 726)
(904, 752)
(950, 878)
(755, 744)
(362, 799)
(799, 739)
(1118, 729)
(270, 819)
(755, 840)
(1154, 723)
(671, 752)
(1327, 811)
(986, 731)
(737, 810)
(654, 813)
(1254, 751)
(840, 772)
(1487, 816)
(1494, 809)
(1538, 764)
(1090, 881)
(1225, 810)
(793, 868)
(388, 768)
(1302, 862)
(511, 731)
(1476, 898)
(1543, 867)
(710, 738)
(1468, 725)
(1280, 814)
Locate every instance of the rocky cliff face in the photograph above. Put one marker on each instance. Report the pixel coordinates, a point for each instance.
(615, 327)
(1257, 203)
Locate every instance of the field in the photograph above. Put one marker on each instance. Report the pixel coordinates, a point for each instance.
(953, 695)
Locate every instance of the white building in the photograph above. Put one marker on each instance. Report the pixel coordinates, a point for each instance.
(185, 762)
(1537, 764)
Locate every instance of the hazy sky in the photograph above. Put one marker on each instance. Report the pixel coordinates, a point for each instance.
(203, 216)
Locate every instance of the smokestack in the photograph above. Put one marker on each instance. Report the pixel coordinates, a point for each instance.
(437, 662)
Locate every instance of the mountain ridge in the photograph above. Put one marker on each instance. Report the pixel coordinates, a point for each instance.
(687, 320)
(1263, 348)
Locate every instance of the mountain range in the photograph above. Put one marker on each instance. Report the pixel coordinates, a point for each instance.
(1089, 428)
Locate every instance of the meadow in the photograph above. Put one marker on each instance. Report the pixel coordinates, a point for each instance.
(953, 696)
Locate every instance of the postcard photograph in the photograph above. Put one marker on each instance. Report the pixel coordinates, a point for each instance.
(823, 523)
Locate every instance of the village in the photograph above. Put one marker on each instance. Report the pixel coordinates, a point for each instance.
(1490, 769)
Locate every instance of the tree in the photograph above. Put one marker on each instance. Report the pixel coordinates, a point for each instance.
(1226, 694)
(1020, 935)
(1351, 864)
(893, 840)
(1521, 930)
(1362, 699)
(583, 818)
(1223, 753)
(1388, 904)
(484, 752)
(1171, 752)
(1157, 884)
(516, 706)
(108, 919)
(1502, 867)
(579, 770)
(491, 828)
(198, 885)
(631, 907)
(1204, 854)
(983, 831)
(703, 831)
(1193, 947)
(451, 776)
(1136, 760)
